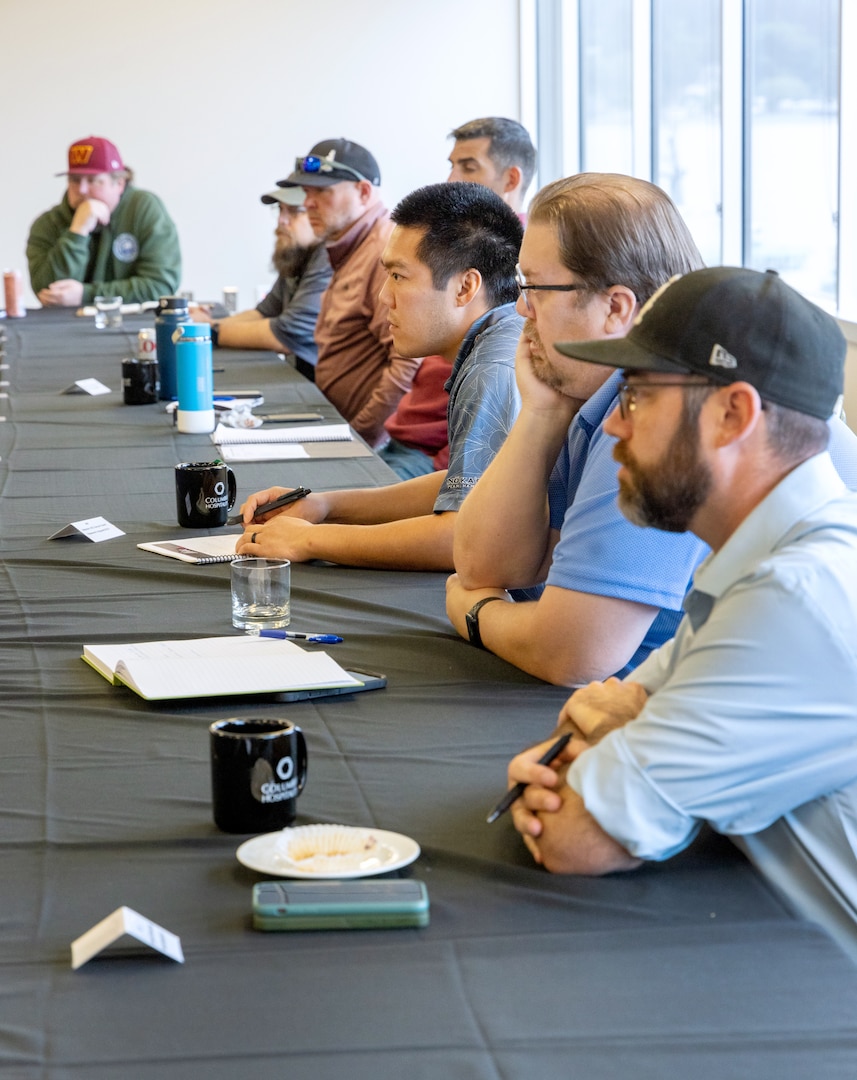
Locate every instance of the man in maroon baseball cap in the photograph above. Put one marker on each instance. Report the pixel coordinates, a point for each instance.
(105, 237)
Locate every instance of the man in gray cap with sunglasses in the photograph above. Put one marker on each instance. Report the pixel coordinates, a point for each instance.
(358, 369)
(284, 321)
(746, 719)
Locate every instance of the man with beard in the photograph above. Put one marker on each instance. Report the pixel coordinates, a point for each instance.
(596, 248)
(285, 320)
(358, 368)
(745, 720)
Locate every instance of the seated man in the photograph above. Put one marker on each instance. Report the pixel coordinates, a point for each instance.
(596, 248)
(285, 320)
(498, 154)
(358, 369)
(450, 290)
(745, 720)
(105, 237)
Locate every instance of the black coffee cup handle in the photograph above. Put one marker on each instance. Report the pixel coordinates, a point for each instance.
(233, 486)
(302, 760)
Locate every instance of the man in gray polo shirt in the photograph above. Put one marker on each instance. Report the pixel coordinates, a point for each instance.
(285, 320)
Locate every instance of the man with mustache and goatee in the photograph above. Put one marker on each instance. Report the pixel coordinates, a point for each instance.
(596, 249)
(285, 320)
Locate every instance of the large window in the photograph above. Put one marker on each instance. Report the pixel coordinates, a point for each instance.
(738, 108)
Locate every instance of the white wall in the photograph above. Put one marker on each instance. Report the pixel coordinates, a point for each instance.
(210, 101)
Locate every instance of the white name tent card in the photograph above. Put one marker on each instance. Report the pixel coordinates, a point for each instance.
(124, 922)
(95, 529)
(87, 386)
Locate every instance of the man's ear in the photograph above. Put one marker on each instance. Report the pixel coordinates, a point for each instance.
(623, 310)
(365, 188)
(512, 178)
(469, 287)
(738, 411)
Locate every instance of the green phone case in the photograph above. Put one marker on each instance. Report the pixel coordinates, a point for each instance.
(339, 905)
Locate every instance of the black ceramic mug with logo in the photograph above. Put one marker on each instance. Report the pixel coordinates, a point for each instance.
(205, 493)
(258, 769)
(141, 381)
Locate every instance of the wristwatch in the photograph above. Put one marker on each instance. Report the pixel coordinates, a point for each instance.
(215, 334)
(472, 620)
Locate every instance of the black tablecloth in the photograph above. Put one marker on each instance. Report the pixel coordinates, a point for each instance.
(692, 968)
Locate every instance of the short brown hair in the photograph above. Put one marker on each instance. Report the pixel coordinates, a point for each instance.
(617, 230)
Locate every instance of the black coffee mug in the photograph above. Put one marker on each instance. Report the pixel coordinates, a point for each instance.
(205, 493)
(141, 382)
(258, 769)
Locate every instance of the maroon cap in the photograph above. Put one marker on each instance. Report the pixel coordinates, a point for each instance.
(93, 155)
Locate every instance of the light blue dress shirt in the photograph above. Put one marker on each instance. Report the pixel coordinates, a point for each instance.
(751, 723)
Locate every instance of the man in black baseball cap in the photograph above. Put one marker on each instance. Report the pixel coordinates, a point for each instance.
(333, 160)
(728, 324)
(357, 369)
(746, 719)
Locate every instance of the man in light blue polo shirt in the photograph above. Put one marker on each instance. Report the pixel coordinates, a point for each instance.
(747, 720)
(596, 247)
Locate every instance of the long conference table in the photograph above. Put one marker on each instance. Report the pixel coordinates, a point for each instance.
(692, 968)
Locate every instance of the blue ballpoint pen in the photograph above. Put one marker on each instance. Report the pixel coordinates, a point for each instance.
(288, 635)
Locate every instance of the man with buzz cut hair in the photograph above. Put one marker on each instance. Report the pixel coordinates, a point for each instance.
(358, 368)
(597, 247)
(105, 237)
(498, 153)
(284, 321)
(746, 720)
(449, 290)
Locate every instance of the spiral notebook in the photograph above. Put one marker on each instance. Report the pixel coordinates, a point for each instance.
(197, 549)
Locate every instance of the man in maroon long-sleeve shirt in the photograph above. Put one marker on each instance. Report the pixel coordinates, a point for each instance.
(358, 369)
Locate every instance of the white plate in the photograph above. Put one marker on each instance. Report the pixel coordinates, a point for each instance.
(383, 851)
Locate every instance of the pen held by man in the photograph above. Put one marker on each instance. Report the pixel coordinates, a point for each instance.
(269, 507)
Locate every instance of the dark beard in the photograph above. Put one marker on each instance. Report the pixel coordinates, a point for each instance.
(292, 262)
(667, 495)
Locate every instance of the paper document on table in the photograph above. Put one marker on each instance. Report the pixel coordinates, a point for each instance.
(215, 667)
(265, 452)
(229, 436)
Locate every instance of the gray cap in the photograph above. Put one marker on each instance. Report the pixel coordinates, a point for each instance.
(290, 196)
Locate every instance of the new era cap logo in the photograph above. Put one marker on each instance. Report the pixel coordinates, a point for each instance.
(721, 358)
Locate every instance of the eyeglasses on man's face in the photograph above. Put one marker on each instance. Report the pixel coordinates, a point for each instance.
(630, 394)
(524, 287)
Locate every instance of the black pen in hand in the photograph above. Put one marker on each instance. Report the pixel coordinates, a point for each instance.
(284, 500)
(518, 790)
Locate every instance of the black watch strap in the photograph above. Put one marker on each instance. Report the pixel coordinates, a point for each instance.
(472, 620)
(215, 334)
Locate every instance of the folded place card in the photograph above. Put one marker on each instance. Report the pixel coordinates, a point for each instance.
(95, 529)
(124, 922)
(86, 386)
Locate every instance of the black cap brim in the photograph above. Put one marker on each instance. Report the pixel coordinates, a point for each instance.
(619, 353)
(302, 179)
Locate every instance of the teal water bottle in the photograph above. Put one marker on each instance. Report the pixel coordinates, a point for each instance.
(172, 312)
(194, 378)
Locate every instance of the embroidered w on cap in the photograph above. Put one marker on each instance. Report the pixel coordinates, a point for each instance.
(721, 358)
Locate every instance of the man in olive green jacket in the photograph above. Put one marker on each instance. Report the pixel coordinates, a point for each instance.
(105, 237)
